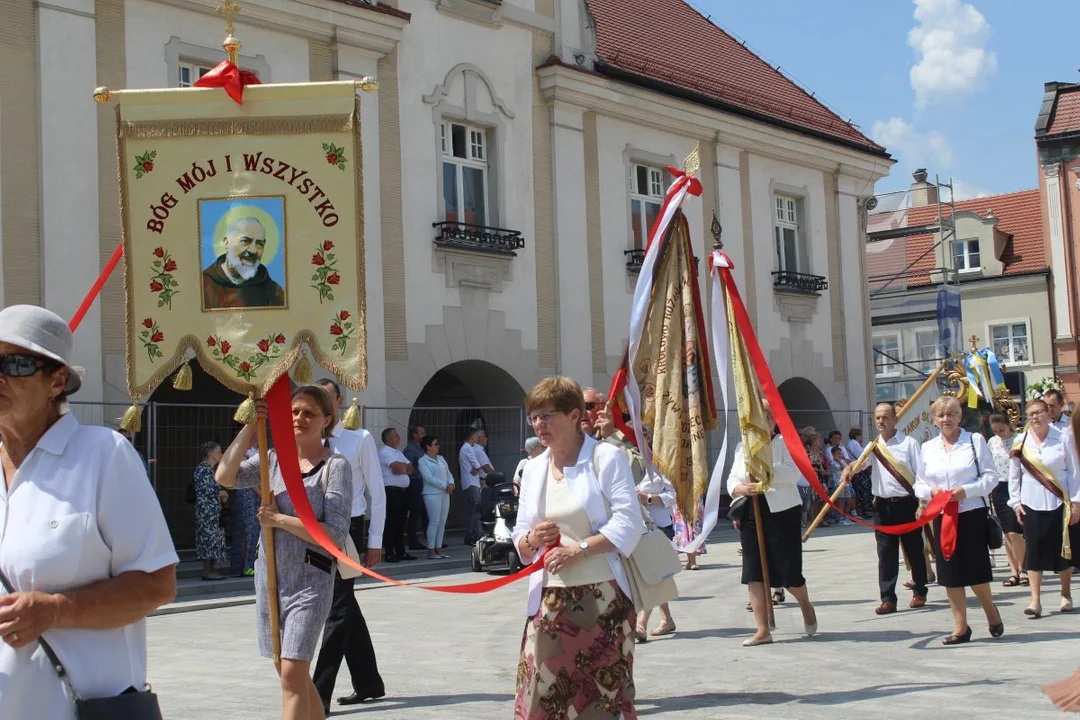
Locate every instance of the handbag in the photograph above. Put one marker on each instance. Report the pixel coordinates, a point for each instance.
(131, 704)
(347, 572)
(737, 508)
(995, 536)
(651, 567)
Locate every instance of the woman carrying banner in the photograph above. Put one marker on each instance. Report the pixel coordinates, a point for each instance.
(959, 463)
(579, 496)
(305, 573)
(781, 513)
(1001, 446)
(1043, 490)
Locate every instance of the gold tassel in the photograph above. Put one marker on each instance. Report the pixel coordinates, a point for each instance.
(246, 413)
(132, 420)
(182, 379)
(303, 373)
(351, 419)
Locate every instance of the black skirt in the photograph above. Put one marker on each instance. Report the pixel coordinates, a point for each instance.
(1074, 540)
(1005, 514)
(783, 546)
(1042, 533)
(970, 564)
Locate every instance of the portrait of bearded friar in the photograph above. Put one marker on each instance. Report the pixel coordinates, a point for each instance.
(238, 278)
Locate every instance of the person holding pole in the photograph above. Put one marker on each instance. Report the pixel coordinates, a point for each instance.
(894, 467)
(772, 552)
(304, 573)
(959, 463)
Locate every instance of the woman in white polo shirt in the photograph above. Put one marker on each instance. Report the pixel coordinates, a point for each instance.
(83, 541)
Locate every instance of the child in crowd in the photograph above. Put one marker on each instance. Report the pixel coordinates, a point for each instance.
(838, 462)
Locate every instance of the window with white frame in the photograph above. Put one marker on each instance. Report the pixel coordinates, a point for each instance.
(1010, 343)
(966, 255)
(886, 353)
(190, 72)
(927, 350)
(786, 227)
(464, 173)
(646, 199)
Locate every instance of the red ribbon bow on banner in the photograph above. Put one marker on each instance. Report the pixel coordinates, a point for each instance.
(233, 79)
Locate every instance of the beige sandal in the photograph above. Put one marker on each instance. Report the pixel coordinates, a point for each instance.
(663, 629)
(640, 634)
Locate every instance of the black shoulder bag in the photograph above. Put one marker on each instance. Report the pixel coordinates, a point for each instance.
(995, 536)
(131, 704)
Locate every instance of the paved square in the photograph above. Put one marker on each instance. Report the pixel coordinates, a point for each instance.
(451, 657)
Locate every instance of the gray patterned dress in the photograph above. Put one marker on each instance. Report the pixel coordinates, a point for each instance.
(305, 591)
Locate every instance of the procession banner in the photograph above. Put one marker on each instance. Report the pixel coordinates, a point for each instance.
(243, 233)
(917, 421)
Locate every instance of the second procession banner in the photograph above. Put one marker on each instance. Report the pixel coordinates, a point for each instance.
(243, 233)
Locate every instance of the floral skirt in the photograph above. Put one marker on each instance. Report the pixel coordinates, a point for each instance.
(577, 656)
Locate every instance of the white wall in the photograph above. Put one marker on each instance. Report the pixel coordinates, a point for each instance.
(433, 44)
(69, 180)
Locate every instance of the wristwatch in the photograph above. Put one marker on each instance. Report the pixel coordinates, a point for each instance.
(648, 499)
(584, 547)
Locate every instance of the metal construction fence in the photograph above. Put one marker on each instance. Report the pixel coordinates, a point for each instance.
(173, 434)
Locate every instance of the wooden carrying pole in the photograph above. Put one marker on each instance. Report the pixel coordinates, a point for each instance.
(869, 450)
(764, 558)
(268, 544)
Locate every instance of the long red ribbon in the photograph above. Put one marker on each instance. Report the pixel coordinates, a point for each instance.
(84, 308)
(229, 76)
(791, 435)
(279, 413)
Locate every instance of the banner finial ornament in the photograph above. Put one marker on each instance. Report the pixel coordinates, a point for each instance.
(692, 163)
(228, 10)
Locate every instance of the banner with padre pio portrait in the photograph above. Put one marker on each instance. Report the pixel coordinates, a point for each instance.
(243, 233)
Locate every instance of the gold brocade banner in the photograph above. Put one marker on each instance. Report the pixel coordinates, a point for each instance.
(750, 400)
(243, 233)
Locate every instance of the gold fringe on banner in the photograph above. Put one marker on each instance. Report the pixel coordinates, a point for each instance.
(247, 414)
(155, 129)
(351, 419)
(132, 420)
(182, 379)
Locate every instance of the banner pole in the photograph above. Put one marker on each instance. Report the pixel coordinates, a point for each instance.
(869, 449)
(763, 556)
(268, 544)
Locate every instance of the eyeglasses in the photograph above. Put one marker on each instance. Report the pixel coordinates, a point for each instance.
(590, 406)
(1037, 413)
(20, 365)
(544, 417)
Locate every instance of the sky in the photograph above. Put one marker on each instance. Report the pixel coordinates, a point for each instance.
(948, 85)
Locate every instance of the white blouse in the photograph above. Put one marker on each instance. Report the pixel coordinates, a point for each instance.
(79, 510)
(784, 491)
(1059, 455)
(947, 470)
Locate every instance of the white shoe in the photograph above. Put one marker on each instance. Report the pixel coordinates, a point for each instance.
(753, 642)
(1066, 605)
(811, 629)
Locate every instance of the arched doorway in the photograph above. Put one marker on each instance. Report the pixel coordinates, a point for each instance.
(473, 393)
(179, 422)
(807, 405)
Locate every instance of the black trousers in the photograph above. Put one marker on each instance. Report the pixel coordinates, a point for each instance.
(417, 523)
(397, 509)
(346, 636)
(897, 511)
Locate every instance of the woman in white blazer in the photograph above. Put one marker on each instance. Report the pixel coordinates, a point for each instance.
(578, 498)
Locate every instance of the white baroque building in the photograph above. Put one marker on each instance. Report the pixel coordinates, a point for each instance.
(513, 160)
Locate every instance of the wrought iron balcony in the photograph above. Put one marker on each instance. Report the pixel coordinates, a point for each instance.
(799, 283)
(478, 237)
(634, 260)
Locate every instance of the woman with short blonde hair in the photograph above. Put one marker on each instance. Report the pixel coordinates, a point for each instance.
(959, 463)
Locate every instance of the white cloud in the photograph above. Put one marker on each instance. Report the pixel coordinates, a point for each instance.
(950, 43)
(964, 191)
(912, 148)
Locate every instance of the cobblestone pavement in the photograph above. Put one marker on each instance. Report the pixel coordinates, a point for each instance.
(451, 657)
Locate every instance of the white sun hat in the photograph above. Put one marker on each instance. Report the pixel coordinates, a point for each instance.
(42, 332)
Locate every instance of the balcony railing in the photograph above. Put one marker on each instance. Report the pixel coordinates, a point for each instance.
(634, 260)
(800, 283)
(478, 237)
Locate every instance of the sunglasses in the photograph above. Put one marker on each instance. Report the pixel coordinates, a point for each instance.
(19, 365)
(591, 406)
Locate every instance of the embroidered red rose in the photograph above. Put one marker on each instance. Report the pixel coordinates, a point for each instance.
(170, 266)
(343, 315)
(335, 329)
(245, 366)
(148, 323)
(327, 245)
(211, 341)
(155, 286)
(264, 345)
(317, 259)
(157, 337)
(225, 347)
(331, 158)
(333, 279)
(148, 165)
(279, 339)
(160, 252)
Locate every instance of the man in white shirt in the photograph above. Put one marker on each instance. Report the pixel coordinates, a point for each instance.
(480, 451)
(470, 486)
(346, 634)
(895, 465)
(396, 469)
(1055, 401)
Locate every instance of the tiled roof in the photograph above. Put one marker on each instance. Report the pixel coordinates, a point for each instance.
(378, 7)
(1066, 117)
(669, 43)
(1018, 214)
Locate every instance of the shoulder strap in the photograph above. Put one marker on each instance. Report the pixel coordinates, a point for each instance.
(49, 652)
(975, 455)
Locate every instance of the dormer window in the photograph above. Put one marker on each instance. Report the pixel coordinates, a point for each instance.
(966, 256)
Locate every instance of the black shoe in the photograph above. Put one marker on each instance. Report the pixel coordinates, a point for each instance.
(407, 556)
(444, 547)
(391, 559)
(357, 698)
(959, 639)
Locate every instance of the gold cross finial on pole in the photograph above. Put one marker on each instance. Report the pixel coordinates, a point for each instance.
(228, 10)
(974, 340)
